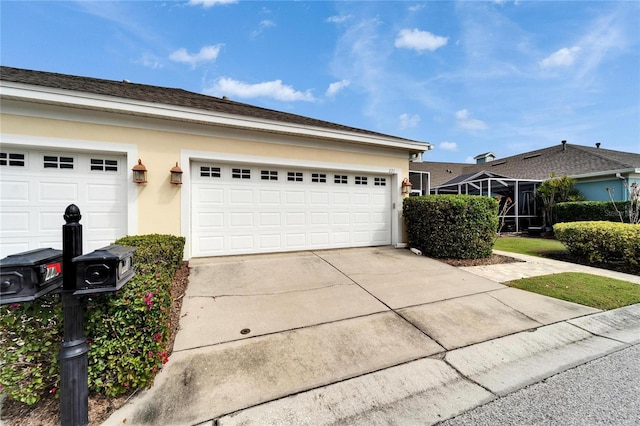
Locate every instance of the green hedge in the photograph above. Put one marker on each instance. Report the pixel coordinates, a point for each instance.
(451, 226)
(578, 211)
(127, 331)
(601, 241)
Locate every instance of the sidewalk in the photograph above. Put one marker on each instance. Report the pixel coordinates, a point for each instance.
(533, 266)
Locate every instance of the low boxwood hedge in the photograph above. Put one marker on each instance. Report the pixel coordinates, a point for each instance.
(451, 226)
(127, 331)
(601, 241)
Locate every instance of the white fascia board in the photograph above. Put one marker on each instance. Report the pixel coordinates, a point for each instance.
(108, 103)
(605, 173)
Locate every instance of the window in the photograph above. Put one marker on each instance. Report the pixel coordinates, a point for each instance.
(318, 177)
(361, 180)
(241, 173)
(269, 175)
(210, 172)
(102, 165)
(294, 176)
(12, 159)
(54, 162)
(340, 179)
(380, 181)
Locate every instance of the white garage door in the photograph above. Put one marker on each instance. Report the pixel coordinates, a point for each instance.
(37, 186)
(238, 209)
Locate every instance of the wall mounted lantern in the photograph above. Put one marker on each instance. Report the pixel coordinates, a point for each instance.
(406, 187)
(176, 175)
(139, 173)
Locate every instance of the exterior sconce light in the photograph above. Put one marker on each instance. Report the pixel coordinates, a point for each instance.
(406, 187)
(139, 173)
(176, 175)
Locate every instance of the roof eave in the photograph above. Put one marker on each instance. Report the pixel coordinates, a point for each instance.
(47, 95)
(605, 173)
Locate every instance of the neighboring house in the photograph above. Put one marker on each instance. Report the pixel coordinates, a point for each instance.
(594, 168)
(254, 180)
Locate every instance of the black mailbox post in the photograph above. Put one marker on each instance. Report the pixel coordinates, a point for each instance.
(29, 275)
(105, 269)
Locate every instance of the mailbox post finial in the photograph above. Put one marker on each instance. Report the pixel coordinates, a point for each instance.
(72, 214)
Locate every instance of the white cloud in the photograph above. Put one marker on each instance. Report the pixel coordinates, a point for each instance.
(448, 146)
(338, 19)
(419, 40)
(561, 58)
(470, 160)
(262, 26)
(225, 86)
(416, 7)
(209, 3)
(206, 54)
(336, 87)
(465, 122)
(407, 120)
(150, 61)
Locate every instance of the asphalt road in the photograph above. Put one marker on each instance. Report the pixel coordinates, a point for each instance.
(605, 391)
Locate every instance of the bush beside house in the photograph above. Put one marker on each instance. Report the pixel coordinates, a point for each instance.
(127, 331)
(601, 241)
(579, 211)
(451, 226)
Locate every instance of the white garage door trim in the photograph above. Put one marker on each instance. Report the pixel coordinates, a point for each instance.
(126, 152)
(187, 157)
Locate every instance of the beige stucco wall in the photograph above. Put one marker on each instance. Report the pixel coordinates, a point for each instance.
(158, 202)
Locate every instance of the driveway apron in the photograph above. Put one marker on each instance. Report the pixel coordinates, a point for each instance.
(260, 328)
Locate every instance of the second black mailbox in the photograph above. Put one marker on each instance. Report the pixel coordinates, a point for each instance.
(26, 276)
(105, 269)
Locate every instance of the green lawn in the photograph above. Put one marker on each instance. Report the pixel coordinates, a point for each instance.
(585, 289)
(541, 247)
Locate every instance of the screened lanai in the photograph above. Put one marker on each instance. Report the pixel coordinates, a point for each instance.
(520, 192)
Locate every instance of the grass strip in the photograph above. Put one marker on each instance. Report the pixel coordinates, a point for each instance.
(540, 247)
(586, 289)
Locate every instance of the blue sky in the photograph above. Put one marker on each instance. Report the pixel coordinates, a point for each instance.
(468, 76)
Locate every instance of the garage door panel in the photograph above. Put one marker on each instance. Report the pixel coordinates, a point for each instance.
(241, 220)
(280, 209)
(270, 242)
(57, 191)
(16, 222)
(270, 219)
(269, 197)
(211, 196)
(295, 219)
(14, 191)
(241, 196)
(103, 193)
(35, 194)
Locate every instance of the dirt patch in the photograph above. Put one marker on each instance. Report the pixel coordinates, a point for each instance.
(46, 412)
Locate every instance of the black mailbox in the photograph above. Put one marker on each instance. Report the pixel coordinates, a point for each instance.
(103, 270)
(31, 274)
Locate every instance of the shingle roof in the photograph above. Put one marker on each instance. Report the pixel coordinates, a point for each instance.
(168, 96)
(570, 160)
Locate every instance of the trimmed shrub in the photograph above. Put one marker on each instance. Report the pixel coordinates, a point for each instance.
(578, 211)
(30, 337)
(451, 226)
(127, 331)
(601, 241)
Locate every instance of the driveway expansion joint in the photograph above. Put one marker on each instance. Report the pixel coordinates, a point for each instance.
(277, 293)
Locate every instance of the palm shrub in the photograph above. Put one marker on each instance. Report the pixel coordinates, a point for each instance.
(451, 226)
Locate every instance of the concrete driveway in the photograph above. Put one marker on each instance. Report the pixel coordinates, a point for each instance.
(328, 332)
